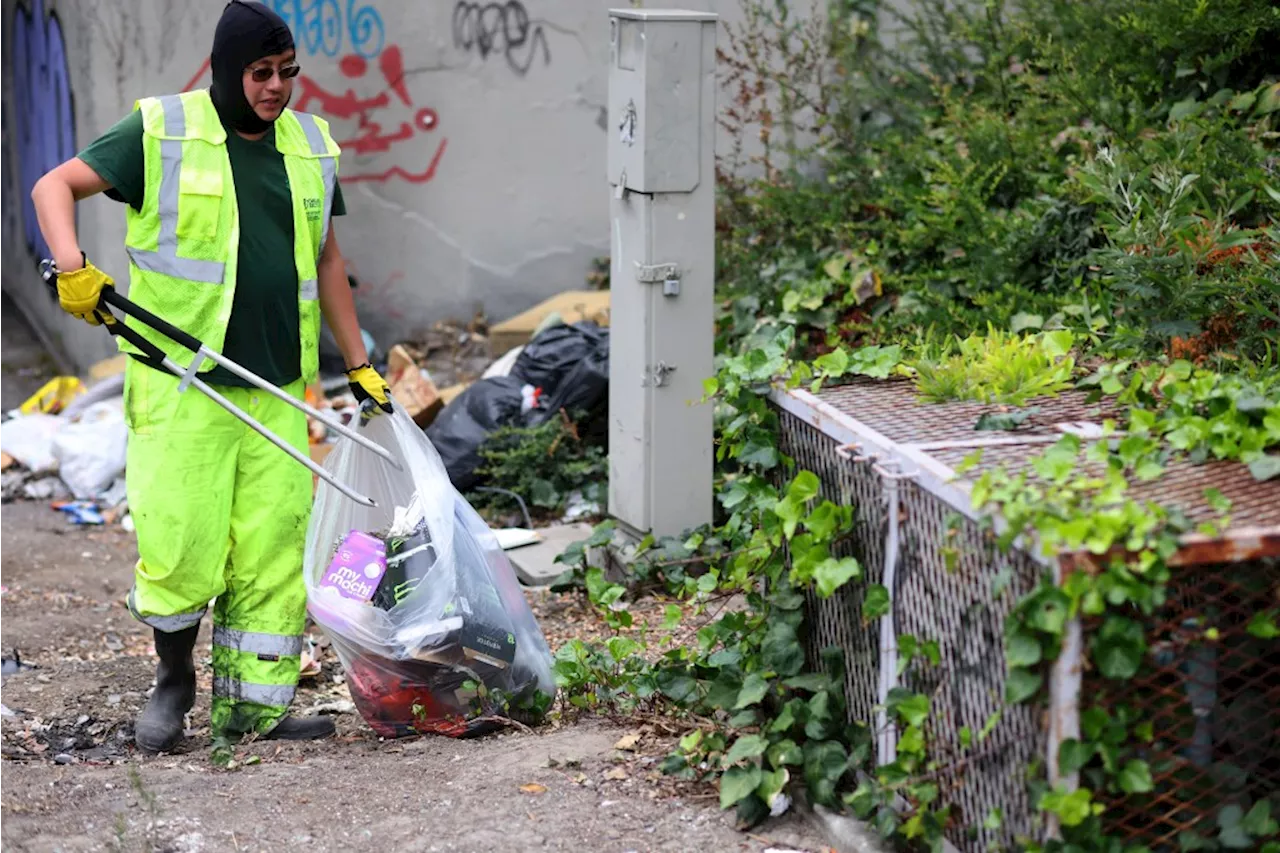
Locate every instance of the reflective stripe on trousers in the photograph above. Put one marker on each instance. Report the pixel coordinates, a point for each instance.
(168, 624)
(265, 646)
(276, 695)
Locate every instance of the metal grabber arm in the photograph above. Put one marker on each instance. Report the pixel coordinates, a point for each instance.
(188, 376)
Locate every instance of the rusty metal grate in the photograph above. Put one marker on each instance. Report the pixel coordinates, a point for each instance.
(1211, 691)
(951, 585)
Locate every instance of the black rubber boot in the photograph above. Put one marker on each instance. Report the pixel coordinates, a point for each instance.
(160, 725)
(301, 728)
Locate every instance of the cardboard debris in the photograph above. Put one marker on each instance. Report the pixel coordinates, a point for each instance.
(108, 367)
(448, 395)
(5, 461)
(412, 387)
(573, 306)
(318, 454)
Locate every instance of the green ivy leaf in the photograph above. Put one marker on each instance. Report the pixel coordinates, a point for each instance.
(1189, 842)
(782, 651)
(744, 748)
(1119, 647)
(1135, 777)
(1021, 685)
(1258, 822)
(804, 487)
(1231, 834)
(825, 763)
(1072, 809)
(1022, 649)
(1049, 609)
(822, 522)
(784, 752)
(1265, 467)
(737, 783)
(1263, 625)
(753, 690)
(771, 784)
(811, 681)
(913, 708)
(1074, 755)
(876, 603)
(831, 574)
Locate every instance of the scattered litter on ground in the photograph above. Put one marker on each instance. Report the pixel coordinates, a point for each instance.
(510, 538)
(29, 440)
(46, 489)
(571, 306)
(340, 706)
(80, 512)
(412, 387)
(502, 367)
(579, 507)
(54, 397)
(90, 449)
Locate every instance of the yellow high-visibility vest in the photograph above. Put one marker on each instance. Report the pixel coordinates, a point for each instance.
(183, 243)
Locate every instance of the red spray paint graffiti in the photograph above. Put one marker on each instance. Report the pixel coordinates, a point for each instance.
(346, 108)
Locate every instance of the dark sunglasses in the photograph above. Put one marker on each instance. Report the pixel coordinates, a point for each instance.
(263, 73)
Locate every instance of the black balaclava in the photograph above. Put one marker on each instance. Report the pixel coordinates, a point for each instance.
(246, 32)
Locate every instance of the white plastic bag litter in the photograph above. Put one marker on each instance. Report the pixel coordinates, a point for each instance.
(91, 449)
(427, 616)
(29, 439)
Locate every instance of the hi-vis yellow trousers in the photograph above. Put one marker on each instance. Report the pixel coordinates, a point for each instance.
(221, 513)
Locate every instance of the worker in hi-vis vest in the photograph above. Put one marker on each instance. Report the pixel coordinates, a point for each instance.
(228, 200)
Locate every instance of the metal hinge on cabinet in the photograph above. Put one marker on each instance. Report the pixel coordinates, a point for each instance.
(668, 275)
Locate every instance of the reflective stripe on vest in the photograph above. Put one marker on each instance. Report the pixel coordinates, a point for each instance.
(165, 259)
(310, 289)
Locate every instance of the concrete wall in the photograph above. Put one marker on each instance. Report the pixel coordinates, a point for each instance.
(473, 137)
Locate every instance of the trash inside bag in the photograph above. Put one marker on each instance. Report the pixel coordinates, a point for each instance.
(418, 597)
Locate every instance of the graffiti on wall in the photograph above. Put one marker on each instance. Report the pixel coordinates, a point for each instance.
(45, 131)
(498, 28)
(374, 119)
(330, 27)
(11, 210)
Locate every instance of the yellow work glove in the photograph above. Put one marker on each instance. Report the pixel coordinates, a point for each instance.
(366, 384)
(79, 292)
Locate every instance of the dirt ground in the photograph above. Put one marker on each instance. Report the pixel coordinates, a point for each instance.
(72, 780)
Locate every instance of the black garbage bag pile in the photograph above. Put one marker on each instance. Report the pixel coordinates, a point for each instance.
(564, 368)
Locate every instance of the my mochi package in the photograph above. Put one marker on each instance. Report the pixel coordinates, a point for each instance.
(357, 567)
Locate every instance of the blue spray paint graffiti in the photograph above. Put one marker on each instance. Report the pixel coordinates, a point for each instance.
(46, 131)
(324, 26)
(9, 204)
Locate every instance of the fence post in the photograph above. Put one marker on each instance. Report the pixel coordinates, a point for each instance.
(661, 163)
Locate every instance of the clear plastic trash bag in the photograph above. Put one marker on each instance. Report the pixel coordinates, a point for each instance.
(417, 596)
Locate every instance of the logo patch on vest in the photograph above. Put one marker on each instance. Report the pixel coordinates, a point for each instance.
(314, 209)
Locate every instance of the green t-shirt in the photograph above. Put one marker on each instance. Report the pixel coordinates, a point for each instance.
(262, 335)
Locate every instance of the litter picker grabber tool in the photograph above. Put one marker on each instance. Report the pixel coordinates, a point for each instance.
(188, 376)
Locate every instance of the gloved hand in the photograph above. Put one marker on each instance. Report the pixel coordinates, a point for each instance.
(366, 384)
(79, 292)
